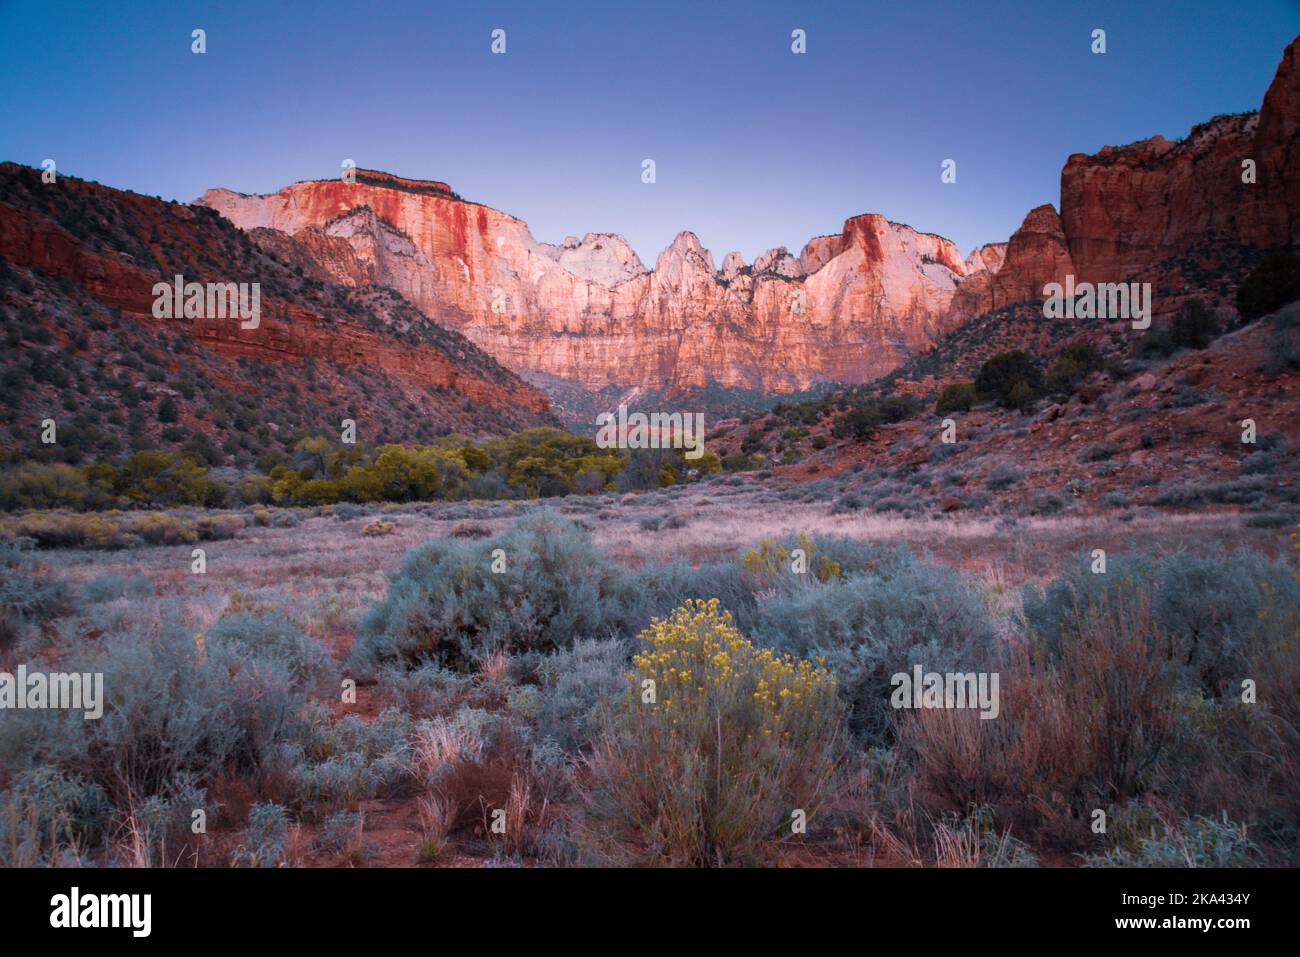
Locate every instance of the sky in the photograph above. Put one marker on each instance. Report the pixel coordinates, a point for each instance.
(754, 146)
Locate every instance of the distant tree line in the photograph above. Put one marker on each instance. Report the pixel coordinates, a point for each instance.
(536, 463)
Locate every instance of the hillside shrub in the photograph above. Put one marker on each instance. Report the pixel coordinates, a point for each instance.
(173, 710)
(270, 636)
(873, 624)
(1219, 611)
(1194, 326)
(1270, 285)
(447, 605)
(1074, 365)
(956, 397)
(1011, 379)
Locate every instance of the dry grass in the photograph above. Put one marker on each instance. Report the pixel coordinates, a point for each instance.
(436, 819)
(1070, 737)
(325, 572)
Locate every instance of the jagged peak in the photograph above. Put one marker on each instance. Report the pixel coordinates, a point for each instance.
(685, 248)
(989, 256)
(732, 265)
(778, 261)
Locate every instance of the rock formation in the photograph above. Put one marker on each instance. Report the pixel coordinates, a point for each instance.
(1127, 208)
(293, 327)
(850, 307)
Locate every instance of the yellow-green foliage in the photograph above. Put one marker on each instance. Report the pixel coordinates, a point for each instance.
(220, 526)
(700, 663)
(716, 744)
(65, 529)
(144, 478)
(771, 561)
(548, 461)
(49, 485)
(158, 528)
(321, 471)
(679, 466)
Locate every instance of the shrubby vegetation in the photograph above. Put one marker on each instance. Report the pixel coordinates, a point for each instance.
(705, 767)
(448, 606)
(525, 690)
(532, 464)
(1013, 380)
(1270, 286)
(1127, 688)
(1073, 365)
(864, 417)
(28, 593)
(1010, 379)
(957, 397)
(1194, 326)
(179, 715)
(111, 530)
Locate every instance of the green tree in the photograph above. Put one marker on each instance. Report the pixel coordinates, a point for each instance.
(1010, 379)
(1194, 327)
(956, 397)
(1270, 286)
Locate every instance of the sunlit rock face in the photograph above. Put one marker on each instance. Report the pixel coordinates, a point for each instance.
(849, 307)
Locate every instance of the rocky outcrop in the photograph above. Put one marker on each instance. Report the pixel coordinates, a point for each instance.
(818, 251)
(1129, 207)
(732, 265)
(39, 242)
(779, 262)
(379, 331)
(988, 257)
(603, 258)
(974, 295)
(1036, 255)
(849, 308)
(1277, 148)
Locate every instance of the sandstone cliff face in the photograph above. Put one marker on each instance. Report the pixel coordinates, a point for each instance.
(849, 308)
(732, 264)
(820, 250)
(38, 241)
(1128, 207)
(293, 327)
(989, 257)
(974, 295)
(602, 258)
(1277, 144)
(1038, 253)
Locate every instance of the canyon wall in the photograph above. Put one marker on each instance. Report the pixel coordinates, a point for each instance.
(848, 308)
(292, 328)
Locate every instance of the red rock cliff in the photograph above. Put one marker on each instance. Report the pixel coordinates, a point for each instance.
(1127, 208)
(850, 307)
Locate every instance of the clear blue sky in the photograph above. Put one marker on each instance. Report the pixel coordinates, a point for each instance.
(755, 146)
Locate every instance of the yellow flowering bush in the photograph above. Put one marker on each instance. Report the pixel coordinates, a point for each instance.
(770, 561)
(715, 746)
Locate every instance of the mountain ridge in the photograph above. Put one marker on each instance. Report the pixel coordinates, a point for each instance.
(848, 308)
